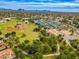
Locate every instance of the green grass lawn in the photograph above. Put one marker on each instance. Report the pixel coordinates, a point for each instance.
(27, 30)
(27, 57)
(7, 24)
(30, 35)
(51, 57)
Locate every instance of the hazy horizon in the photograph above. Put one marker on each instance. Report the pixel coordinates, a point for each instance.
(50, 5)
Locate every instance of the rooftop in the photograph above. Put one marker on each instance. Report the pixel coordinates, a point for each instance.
(6, 52)
(2, 47)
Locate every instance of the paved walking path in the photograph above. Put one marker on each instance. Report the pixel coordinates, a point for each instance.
(54, 54)
(67, 41)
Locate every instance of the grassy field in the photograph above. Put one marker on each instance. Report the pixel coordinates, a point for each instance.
(43, 58)
(27, 57)
(51, 57)
(26, 29)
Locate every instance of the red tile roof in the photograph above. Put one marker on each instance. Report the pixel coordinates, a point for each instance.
(5, 52)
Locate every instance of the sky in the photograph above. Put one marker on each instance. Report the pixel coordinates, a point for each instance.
(51, 5)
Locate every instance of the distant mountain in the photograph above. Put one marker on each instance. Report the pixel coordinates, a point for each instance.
(33, 10)
(4, 9)
(23, 10)
(39, 10)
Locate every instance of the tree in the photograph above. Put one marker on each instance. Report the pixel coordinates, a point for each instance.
(36, 30)
(0, 32)
(1, 38)
(52, 40)
(13, 33)
(43, 39)
(18, 18)
(38, 55)
(60, 38)
(38, 45)
(7, 35)
(44, 33)
(17, 40)
(23, 35)
(18, 53)
(72, 31)
(47, 49)
(66, 53)
(26, 41)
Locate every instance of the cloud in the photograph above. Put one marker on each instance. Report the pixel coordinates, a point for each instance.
(76, 1)
(40, 0)
(66, 6)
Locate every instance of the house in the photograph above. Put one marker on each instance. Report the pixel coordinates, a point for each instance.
(7, 19)
(40, 22)
(20, 26)
(53, 31)
(59, 18)
(2, 20)
(70, 37)
(65, 32)
(6, 52)
(47, 23)
(77, 32)
(25, 20)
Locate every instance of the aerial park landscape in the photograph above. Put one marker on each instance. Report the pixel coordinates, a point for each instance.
(39, 29)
